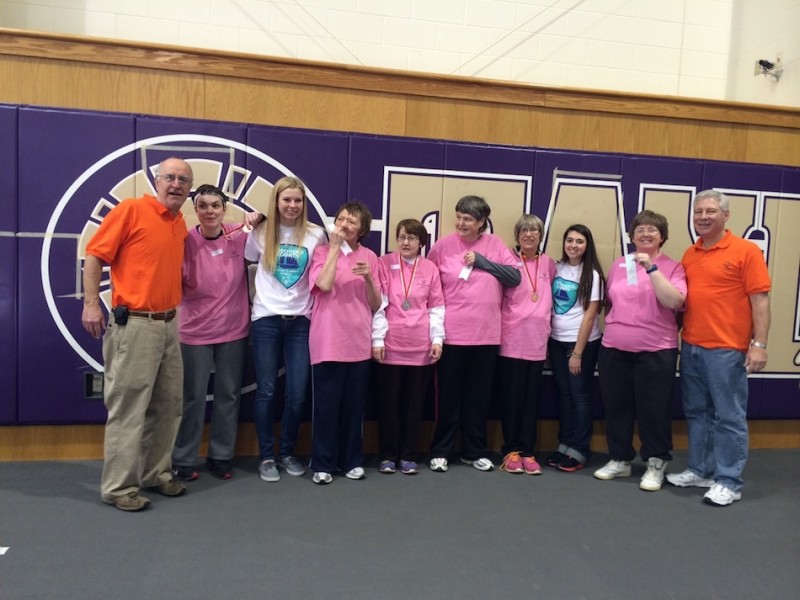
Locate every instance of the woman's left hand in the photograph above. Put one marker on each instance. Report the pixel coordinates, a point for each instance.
(469, 258)
(643, 259)
(436, 352)
(574, 365)
(378, 352)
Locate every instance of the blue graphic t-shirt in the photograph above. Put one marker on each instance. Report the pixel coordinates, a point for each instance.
(567, 310)
(565, 295)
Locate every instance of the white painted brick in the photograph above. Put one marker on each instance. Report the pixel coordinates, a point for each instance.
(101, 24)
(244, 14)
(706, 39)
(355, 27)
(147, 29)
(490, 13)
(541, 19)
(116, 7)
(385, 8)
(706, 12)
(459, 38)
(620, 8)
(203, 35)
(704, 64)
(294, 20)
(596, 26)
(181, 11)
(656, 60)
(702, 87)
(326, 50)
(488, 67)
(409, 33)
(440, 11)
(49, 18)
(382, 55)
(613, 55)
(670, 10)
(518, 45)
(538, 73)
(348, 5)
(430, 61)
(562, 50)
(268, 43)
(658, 33)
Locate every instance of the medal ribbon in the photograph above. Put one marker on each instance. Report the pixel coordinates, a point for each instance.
(534, 283)
(407, 290)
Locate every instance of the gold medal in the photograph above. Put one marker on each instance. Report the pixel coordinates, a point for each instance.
(535, 297)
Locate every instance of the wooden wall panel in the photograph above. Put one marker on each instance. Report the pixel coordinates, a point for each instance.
(296, 105)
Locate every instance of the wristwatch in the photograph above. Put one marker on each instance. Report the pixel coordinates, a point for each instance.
(756, 344)
(653, 268)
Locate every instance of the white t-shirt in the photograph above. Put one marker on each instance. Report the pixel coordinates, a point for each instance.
(286, 291)
(567, 310)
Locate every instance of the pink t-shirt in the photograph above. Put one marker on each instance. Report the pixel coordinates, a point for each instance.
(341, 320)
(408, 340)
(637, 322)
(526, 324)
(472, 317)
(215, 303)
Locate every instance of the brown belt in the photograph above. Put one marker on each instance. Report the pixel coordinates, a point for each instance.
(166, 316)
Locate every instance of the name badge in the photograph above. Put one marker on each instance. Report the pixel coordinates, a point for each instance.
(217, 252)
(394, 267)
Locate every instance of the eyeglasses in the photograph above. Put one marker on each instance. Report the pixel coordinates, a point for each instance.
(530, 230)
(170, 178)
(407, 238)
(647, 230)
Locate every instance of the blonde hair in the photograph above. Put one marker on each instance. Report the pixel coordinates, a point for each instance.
(272, 227)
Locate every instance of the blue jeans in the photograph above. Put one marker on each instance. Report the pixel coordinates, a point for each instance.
(574, 397)
(275, 338)
(714, 385)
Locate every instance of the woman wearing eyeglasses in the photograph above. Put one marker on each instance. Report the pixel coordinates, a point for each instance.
(407, 338)
(474, 266)
(639, 352)
(523, 347)
(213, 329)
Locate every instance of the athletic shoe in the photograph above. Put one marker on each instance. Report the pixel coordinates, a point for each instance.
(322, 478)
(355, 473)
(219, 468)
(555, 459)
(387, 466)
(689, 478)
(719, 495)
(570, 465)
(268, 470)
(530, 466)
(512, 463)
(614, 469)
(185, 473)
(439, 465)
(171, 489)
(482, 464)
(130, 502)
(408, 467)
(653, 478)
(292, 466)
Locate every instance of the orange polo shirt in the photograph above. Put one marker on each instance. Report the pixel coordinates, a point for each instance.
(720, 281)
(143, 244)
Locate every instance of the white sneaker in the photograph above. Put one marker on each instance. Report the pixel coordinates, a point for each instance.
(614, 469)
(482, 464)
(653, 478)
(719, 495)
(322, 478)
(355, 473)
(439, 464)
(689, 478)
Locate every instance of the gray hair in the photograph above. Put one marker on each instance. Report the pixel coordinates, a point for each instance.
(476, 207)
(721, 198)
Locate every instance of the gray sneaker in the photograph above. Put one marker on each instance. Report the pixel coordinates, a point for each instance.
(268, 470)
(292, 466)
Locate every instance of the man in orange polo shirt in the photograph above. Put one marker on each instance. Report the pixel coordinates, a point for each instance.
(141, 239)
(724, 339)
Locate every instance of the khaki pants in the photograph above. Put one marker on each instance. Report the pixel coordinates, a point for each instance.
(144, 398)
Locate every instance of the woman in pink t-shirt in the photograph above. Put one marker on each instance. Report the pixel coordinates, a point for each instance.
(523, 347)
(639, 352)
(214, 325)
(474, 266)
(346, 281)
(407, 340)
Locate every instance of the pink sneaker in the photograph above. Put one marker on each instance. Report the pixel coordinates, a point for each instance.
(530, 466)
(512, 463)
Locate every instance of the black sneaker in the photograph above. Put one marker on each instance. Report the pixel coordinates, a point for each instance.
(569, 464)
(555, 459)
(185, 473)
(219, 468)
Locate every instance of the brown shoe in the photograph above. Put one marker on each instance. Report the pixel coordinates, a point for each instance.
(172, 488)
(130, 502)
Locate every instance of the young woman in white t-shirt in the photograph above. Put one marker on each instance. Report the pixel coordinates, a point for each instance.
(574, 344)
(282, 246)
